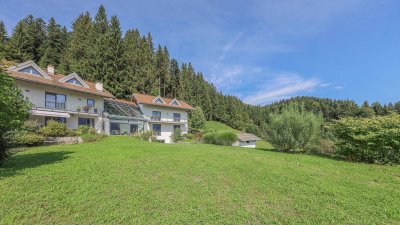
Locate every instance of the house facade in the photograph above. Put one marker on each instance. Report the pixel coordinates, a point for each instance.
(164, 115)
(74, 101)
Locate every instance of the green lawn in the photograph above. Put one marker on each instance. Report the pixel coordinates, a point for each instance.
(122, 180)
(212, 126)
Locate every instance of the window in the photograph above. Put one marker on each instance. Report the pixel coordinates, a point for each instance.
(119, 128)
(177, 117)
(58, 119)
(74, 81)
(90, 102)
(157, 129)
(175, 103)
(159, 101)
(156, 116)
(86, 122)
(55, 101)
(134, 128)
(30, 70)
(176, 127)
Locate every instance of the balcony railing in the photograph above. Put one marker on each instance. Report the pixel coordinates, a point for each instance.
(155, 118)
(55, 105)
(166, 120)
(68, 106)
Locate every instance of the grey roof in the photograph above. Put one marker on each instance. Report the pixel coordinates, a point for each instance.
(114, 108)
(248, 137)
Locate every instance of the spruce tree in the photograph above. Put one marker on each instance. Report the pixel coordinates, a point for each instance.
(132, 79)
(76, 57)
(174, 71)
(3, 40)
(113, 79)
(53, 45)
(99, 41)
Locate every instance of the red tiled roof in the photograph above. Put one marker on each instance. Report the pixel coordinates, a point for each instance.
(125, 102)
(55, 82)
(149, 100)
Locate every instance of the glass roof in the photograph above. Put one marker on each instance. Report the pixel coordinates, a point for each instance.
(114, 108)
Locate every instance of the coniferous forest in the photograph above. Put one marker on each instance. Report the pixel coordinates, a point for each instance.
(98, 50)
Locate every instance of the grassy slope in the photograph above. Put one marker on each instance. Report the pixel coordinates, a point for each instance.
(123, 180)
(212, 126)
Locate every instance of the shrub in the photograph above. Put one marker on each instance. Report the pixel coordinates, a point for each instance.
(373, 140)
(54, 129)
(226, 138)
(82, 129)
(147, 136)
(31, 139)
(294, 129)
(197, 119)
(13, 110)
(92, 137)
(188, 136)
(177, 135)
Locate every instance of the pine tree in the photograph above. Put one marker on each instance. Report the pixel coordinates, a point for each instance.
(27, 39)
(162, 63)
(174, 71)
(113, 79)
(147, 69)
(76, 57)
(98, 58)
(3, 40)
(53, 45)
(132, 79)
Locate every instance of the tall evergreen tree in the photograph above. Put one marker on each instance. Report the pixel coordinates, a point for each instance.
(174, 71)
(112, 78)
(27, 39)
(147, 69)
(98, 58)
(132, 79)
(3, 40)
(53, 45)
(162, 63)
(76, 57)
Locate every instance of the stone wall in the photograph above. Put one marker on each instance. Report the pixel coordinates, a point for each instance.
(63, 140)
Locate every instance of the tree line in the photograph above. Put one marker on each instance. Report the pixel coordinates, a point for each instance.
(97, 50)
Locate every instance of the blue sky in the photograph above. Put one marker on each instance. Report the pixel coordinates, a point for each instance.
(262, 51)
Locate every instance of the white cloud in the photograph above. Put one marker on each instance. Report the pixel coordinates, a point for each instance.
(282, 87)
(230, 45)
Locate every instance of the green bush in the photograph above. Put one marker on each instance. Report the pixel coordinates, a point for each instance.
(177, 135)
(197, 119)
(55, 129)
(82, 129)
(294, 129)
(373, 140)
(226, 138)
(188, 136)
(92, 137)
(147, 136)
(31, 139)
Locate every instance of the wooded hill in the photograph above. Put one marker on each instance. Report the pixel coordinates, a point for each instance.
(96, 49)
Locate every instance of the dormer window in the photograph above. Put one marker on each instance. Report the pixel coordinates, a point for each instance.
(30, 70)
(159, 101)
(175, 103)
(74, 81)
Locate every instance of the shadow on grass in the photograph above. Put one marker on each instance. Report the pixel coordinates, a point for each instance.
(16, 164)
(322, 155)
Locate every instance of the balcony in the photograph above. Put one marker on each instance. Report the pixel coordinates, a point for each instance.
(63, 106)
(166, 120)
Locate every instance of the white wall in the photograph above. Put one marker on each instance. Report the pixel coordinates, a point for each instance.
(167, 118)
(251, 144)
(36, 95)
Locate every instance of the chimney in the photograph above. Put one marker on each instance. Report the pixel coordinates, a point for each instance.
(50, 69)
(99, 87)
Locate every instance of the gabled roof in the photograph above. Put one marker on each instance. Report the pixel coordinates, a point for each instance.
(56, 80)
(74, 76)
(248, 137)
(150, 100)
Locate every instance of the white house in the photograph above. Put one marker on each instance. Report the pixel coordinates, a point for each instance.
(246, 140)
(74, 101)
(163, 115)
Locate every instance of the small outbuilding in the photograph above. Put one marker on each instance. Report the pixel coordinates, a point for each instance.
(246, 140)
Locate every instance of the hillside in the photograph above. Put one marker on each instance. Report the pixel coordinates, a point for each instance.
(122, 180)
(213, 126)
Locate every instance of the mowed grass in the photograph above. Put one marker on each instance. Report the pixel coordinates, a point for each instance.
(213, 126)
(122, 180)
